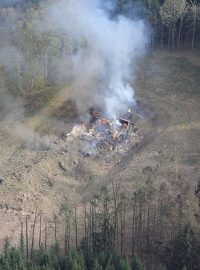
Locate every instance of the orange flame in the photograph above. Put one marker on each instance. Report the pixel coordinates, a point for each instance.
(125, 125)
(115, 135)
(104, 121)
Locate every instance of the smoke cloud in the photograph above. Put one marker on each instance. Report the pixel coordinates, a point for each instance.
(106, 53)
(28, 137)
(98, 60)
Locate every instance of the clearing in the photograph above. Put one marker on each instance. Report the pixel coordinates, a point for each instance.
(167, 89)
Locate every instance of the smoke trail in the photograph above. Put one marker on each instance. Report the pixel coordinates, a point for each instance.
(106, 52)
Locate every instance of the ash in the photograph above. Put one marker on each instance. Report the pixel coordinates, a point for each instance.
(103, 137)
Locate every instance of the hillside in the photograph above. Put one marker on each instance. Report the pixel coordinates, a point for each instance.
(168, 91)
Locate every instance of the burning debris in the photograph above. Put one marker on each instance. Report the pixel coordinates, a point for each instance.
(100, 135)
(125, 123)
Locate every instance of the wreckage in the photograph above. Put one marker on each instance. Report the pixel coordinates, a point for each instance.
(102, 136)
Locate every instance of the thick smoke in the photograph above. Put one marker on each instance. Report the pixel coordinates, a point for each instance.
(98, 59)
(8, 3)
(107, 50)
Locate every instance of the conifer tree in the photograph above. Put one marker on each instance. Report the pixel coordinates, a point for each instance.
(136, 264)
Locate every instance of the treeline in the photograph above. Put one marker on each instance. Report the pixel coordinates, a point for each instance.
(54, 259)
(35, 54)
(18, 3)
(172, 23)
(182, 255)
(149, 225)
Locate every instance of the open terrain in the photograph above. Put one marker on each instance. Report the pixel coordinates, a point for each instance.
(168, 91)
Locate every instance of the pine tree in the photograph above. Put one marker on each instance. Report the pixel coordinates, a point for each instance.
(182, 249)
(22, 246)
(136, 264)
(96, 266)
(125, 265)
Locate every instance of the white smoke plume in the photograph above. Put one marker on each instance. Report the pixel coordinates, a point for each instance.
(106, 52)
(101, 54)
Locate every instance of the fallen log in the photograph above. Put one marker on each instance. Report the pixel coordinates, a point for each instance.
(125, 122)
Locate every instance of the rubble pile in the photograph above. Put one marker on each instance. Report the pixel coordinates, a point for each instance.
(103, 136)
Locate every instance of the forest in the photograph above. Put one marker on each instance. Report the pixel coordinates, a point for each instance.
(173, 24)
(149, 220)
(33, 54)
(105, 244)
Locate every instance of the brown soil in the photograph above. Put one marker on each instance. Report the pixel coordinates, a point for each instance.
(168, 91)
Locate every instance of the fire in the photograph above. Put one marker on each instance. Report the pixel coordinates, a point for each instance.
(99, 134)
(125, 123)
(95, 114)
(85, 126)
(113, 127)
(115, 135)
(104, 121)
(125, 126)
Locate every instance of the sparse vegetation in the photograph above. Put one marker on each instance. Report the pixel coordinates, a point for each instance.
(134, 212)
